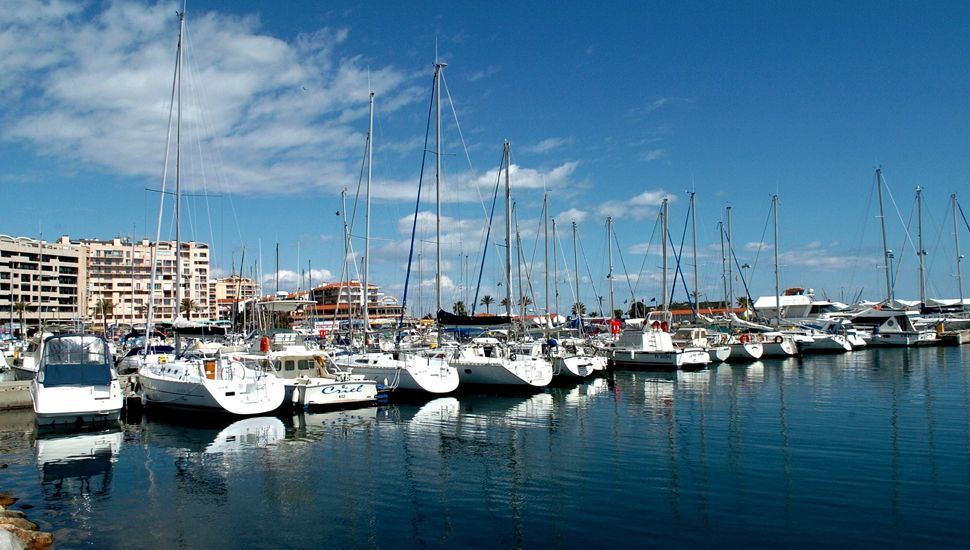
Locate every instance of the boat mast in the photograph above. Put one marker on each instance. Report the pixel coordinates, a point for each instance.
(555, 266)
(609, 250)
(365, 287)
(693, 238)
(885, 245)
(720, 230)
(438, 67)
(579, 313)
(774, 208)
(730, 254)
(956, 242)
(545, 210)
(178, 188)
(921, 253)
(508, 232)
(663, 254)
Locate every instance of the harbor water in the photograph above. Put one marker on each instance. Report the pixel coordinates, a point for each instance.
(866, 449)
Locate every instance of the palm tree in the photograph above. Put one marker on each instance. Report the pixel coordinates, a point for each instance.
(21, 308)
(638, 310)
(188, 306)
(525, 302)
(487, 301)
(459, 308)
(104, 307)
(579, 308)
(141, 310)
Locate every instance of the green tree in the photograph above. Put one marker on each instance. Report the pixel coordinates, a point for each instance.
(105, 308)
(459, 308)
(617, 313)
(487, 301)
(188, 306)
(638, 310)
(579, 309)
(744, 302)
(21, 308)
(525, 302)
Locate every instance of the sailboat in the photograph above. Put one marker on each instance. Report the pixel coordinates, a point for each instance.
(398, 369)
(207, 382)
(496, 359)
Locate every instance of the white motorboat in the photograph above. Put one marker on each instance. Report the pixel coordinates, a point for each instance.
(75, 382)
(893, 327)
(654, 349)
(211, 383)
(488, 361)
(779, 344)
(821, 342)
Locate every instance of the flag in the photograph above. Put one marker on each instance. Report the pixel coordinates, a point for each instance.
(653, 299)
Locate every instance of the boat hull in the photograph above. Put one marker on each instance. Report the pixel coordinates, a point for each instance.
(414, 372)
(76, 405)
(745, 353)
(577, 366)
(660, 360)
(532, 372)
(320, 392)
(242, 395)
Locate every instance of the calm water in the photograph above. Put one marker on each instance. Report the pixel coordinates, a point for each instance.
(863, 449)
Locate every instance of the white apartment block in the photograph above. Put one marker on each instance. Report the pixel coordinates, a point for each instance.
(49, 277)
(120, 271)
(226, 292)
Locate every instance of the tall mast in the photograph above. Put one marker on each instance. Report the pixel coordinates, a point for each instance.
(693, 238)
(438, 67)
(545, 210)
(508, 232)
(921, 253)
(579, 313)
(663, 254)
(956, 242)
(774, 208)
(885, 245)
(365, 288)
(724, 278)
(555, 265)
(609, 249)
(178, 185)
(730, 257)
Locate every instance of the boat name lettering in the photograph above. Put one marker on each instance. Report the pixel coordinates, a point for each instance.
(344, 389)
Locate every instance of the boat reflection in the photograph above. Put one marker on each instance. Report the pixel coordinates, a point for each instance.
(313, 426)
(77, 465)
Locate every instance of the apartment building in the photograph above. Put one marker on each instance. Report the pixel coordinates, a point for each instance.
(343, 301)
(224, 293)
(49, 278)
(120, 270)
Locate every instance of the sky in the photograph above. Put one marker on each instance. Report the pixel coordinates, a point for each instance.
(609, 109)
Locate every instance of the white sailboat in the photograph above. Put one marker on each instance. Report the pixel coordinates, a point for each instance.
(209, 383)
(408, 370)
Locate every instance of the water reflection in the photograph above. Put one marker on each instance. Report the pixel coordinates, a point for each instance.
(74, 466)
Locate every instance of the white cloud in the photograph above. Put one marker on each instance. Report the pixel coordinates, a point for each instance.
(572, 215)
(290, 280)
(491, 70)
(529, 178)
(653, 154)
(268, 116)
(637, 207)
(546, 145)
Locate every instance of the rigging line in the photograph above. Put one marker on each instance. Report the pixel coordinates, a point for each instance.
(858, 248)
(677, 256)
(528, 271)
(646, 254)
(589, 273)
(194, 91)
(414, 221)
(360, 183)
(761, 243)
(898, 213)
(485, 247)
(461, 137)
(626, 274)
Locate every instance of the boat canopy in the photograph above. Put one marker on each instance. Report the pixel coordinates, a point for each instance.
(75, 360)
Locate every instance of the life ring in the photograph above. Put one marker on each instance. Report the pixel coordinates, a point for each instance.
(779, 339)
(745, 338)
(664, 326)
(512, 356)
(655, 325)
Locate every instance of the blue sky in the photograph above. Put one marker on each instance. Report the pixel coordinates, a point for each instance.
(609, 109)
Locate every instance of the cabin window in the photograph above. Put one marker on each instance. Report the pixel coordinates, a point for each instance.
(289, 365)
(304, 364)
